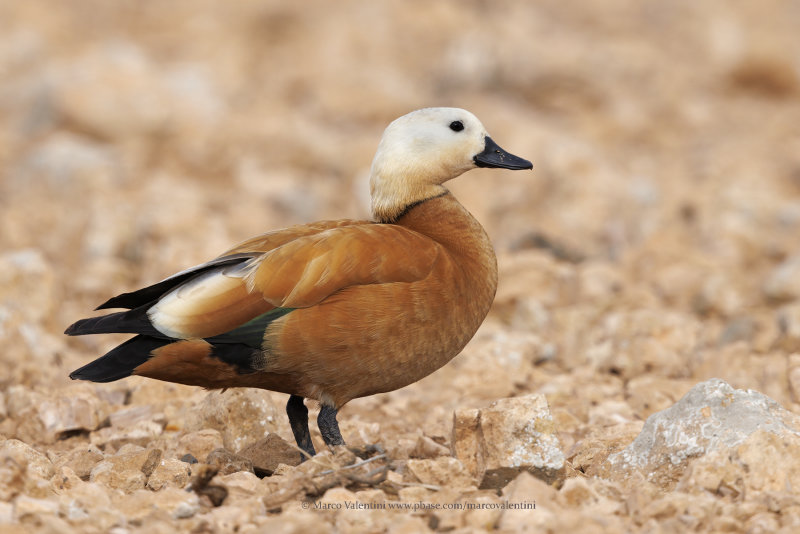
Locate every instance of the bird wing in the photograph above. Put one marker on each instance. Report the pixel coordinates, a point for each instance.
(299, 272)
(213, 284)
(271, 240)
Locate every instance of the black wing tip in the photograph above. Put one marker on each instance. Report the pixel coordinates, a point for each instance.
(119, 362)
(97, 375)
(125, 300)
(134, 321)
(77, 374)
(74, 329)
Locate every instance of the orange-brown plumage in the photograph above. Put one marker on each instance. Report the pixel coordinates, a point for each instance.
(332, 310)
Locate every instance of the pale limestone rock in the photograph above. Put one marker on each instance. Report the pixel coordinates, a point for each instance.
(128, 469)
(34, 462)
(141, 434)
(44, 419)
(712, 417)
(81, 460)
(509, 436)
(25, 506)
(170, 472)
(200, 443)
(442, 471)
(242, 416)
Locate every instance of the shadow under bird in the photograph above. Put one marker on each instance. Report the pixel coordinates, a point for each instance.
(332, 310)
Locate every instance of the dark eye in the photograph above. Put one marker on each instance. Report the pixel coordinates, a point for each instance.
(456, 126)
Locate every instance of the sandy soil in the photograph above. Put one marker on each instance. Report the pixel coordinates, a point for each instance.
(655, 245)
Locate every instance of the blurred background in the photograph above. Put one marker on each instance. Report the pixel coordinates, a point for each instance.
(656, 242)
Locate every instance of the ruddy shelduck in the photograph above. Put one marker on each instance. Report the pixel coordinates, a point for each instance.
(332, 310)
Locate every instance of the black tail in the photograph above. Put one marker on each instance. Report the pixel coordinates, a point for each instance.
(128, 322)
(120, 361)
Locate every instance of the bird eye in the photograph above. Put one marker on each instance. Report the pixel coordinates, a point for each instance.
(456, 126)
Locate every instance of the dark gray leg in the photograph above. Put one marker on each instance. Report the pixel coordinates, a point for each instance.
(298, 419)
(328, 427)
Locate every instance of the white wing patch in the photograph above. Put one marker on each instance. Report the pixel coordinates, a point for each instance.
(195, 297)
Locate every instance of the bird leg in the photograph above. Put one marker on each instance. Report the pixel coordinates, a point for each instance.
(329, 427)
(298, 419)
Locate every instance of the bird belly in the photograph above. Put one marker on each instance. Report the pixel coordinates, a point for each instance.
(375, 338)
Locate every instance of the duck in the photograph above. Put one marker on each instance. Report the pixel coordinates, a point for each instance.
(333, 310)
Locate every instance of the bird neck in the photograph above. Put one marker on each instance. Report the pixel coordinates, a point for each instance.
(446, 221)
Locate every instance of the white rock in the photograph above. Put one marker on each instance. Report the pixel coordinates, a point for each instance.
(711, 417)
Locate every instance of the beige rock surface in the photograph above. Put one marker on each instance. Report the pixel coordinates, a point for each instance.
(507, 437)
(714, 421)
(654, 247)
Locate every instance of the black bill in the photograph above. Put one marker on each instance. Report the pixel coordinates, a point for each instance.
(494, 156)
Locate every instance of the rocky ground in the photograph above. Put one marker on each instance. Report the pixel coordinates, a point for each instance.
(655, 247)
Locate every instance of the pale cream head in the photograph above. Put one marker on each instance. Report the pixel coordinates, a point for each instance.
(418, 153)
